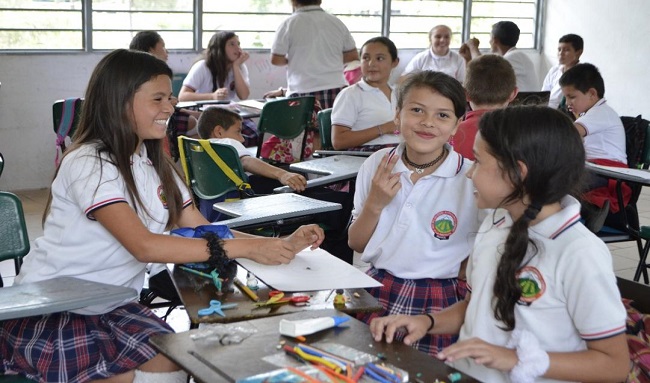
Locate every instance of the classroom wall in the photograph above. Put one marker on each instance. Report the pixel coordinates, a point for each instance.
(614, 34)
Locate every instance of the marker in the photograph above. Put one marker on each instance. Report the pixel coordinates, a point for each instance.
(244, 289)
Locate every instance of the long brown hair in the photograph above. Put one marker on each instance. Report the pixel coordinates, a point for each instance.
(216, 59)
(546, 141)
(107, 121)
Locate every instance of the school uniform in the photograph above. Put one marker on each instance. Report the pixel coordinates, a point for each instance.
(452, 64)
(524, 70)
(199, 78)
(313, 41)
(552, 84)
(421, 238)
(569, 295)
(99, 341)
(362, 106)
(605, 137)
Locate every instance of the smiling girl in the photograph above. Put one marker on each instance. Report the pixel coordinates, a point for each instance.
(362, 116)
(113, 196)
(438, 57)
(413, 215)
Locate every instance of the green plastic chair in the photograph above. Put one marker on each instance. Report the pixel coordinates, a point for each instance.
(14, 241)
(287, 119)
(325, 128)
(204, 176)
(177, 83)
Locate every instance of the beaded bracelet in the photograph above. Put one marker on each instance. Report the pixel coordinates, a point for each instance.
(433, 321)
(218, 258)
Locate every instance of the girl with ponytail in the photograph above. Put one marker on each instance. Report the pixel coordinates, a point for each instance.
(543, 303)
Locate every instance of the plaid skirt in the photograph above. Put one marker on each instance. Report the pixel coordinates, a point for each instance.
(68, 347)
(415, 297)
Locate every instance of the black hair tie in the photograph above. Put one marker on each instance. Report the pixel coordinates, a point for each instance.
(218, 258)
(532, 211)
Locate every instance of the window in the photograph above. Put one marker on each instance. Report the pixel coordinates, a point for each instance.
(87, 25)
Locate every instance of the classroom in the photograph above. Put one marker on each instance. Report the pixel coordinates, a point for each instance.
(32, 78)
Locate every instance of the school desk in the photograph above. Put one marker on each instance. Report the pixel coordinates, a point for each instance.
(271, 209)
(213, 362)
(325, 153)
(332, 169)
(197, 291)
(245, 110)
(56, 295)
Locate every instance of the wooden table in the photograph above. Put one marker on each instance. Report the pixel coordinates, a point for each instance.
(227, 363)
(333, 169)
(196, 292)
(271, 209)
(56, 295)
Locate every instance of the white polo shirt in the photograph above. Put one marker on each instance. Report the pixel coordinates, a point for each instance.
(605, 137)
(429, 227)
(524, 70)
(75, 244)
(313, 41)
(552, 84)
(239, 147)
(570, 296)
(452, 64)
(361, 106)
(199, 78)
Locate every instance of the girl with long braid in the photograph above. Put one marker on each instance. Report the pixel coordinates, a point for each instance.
(543, 305)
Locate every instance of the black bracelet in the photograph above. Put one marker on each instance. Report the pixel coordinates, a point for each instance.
(218, 258)
(433, 321)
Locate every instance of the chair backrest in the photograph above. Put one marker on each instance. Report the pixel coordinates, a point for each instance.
(14, 241)
(286, 118)
(531, 98)
(206, 178)
(636, 140)
(645, 157)
(325, 128)
(177, 83)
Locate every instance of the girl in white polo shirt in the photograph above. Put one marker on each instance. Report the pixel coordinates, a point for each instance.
(363, 113)
(414, 217)
(544, 303)
(113, 196)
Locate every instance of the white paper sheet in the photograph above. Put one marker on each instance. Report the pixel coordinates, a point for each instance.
(310, 271)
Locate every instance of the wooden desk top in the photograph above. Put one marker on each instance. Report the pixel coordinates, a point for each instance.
(56, 295)
(227, 363)
(196, 292)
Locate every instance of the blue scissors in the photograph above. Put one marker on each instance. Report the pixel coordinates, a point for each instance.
(216, 307)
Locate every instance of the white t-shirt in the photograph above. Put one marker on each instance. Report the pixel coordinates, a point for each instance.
(199, 78)
(571, 295)
(361, 106)
(75, 244)
(429, 227)
(452, 64)
(524, 70)
(605, 137)
(239, 147)
(313, 41)
(552, 84)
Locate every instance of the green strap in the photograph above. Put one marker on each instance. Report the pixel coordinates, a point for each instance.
(223, 166)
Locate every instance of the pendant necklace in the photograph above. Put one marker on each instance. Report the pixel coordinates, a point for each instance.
(419, 169)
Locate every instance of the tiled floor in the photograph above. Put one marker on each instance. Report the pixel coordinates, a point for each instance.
(625, 254)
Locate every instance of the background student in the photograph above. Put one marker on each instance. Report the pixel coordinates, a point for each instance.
(413, 214)
(113, 196)
(503, 41)
(490, 84)
(544, 305)
(314, 45)
(363, 114)
(604, 140)
(569, 50)
(438, 57)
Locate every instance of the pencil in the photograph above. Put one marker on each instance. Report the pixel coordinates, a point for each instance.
(246, 290)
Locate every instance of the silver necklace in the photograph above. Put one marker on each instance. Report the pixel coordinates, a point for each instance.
(419, 169)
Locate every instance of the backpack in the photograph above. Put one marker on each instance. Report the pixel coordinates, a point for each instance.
(635, 136)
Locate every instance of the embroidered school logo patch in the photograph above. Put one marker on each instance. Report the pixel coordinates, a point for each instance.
(444, 224)
(162, 197)
(532, 284)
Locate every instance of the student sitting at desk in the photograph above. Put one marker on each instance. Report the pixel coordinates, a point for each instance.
(113, 196)
(414, 215)
(604, 139)
(569, 50)
(221, 75)
(224, 126)
(543, 305)
(438, 57)
(362, 117)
